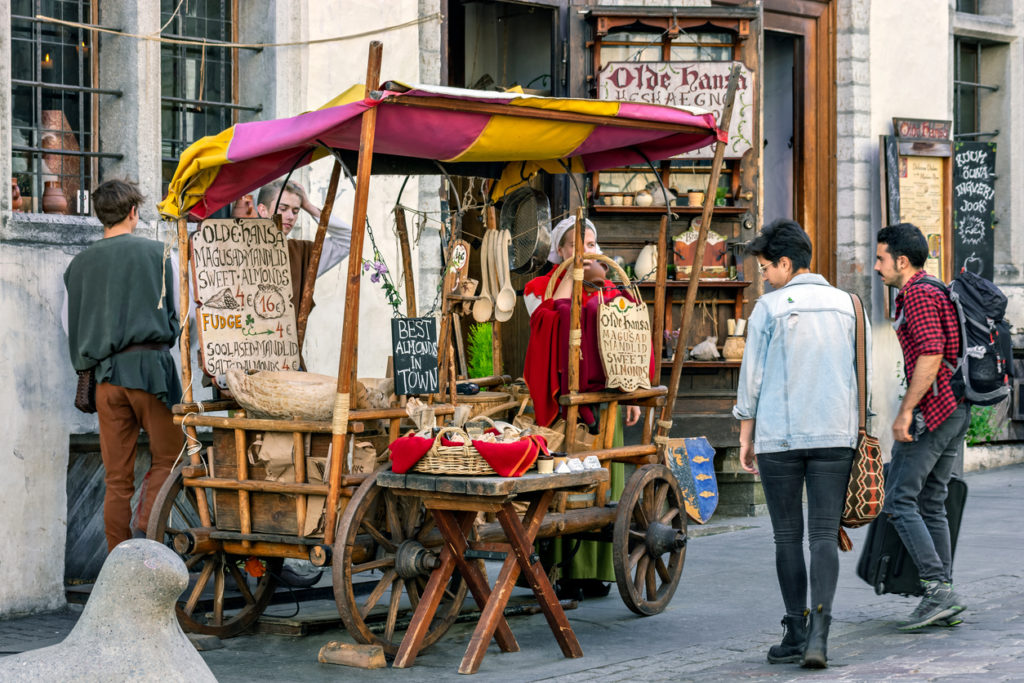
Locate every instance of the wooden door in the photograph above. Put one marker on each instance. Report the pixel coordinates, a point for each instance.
(812, 24)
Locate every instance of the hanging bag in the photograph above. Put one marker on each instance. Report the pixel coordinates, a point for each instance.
(865, 492)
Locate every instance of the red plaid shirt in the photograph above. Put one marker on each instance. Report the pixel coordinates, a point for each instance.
(928, 326)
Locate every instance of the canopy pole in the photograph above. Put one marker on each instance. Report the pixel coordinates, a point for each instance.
(575, 338)
(185, 346)
(403, 243)
(664, 424)
(350, 332)
(309, 281)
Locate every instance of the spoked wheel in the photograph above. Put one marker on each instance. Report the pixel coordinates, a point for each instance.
(395, 538)
(210, 605)
(649, 540)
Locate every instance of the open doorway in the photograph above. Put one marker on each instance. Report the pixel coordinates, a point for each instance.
(779, 129)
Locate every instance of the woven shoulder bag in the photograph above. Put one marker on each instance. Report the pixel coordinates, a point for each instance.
(865, 492)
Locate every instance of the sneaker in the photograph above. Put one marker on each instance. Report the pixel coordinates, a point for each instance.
(939, 602)
(954, 620)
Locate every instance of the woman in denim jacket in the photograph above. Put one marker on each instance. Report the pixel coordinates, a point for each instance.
(797, 403)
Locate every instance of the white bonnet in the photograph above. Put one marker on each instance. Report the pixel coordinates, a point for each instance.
(563, 226)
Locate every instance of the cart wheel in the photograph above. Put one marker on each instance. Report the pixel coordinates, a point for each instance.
(208, 604)
(396, 536)
(649, 540)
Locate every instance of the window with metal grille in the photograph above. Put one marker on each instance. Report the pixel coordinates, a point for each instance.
(969, 92)
(54, 148)
(967, 6)
(199, 77)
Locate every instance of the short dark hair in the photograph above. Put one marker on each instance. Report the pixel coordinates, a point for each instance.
(783, 237)
(905, 239)
(269, 193)
(113, 200)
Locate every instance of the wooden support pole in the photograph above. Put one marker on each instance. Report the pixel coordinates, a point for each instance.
(698, 258)
(299, 459)
(242, 463)
(185, 345)
(403, 242)
(659, 296)
(575, 333)
(350, 331)
(309, 281)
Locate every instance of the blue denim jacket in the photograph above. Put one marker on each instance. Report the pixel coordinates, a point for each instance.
(797, 379)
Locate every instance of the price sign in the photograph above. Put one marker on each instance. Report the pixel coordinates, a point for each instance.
(242, 283)
(974, 203)
(624, 337)
(414, 348)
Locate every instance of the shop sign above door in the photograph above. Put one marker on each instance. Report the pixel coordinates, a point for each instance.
(686, 84)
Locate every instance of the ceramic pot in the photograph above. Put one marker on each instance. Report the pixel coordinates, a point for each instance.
(54, 200)
(646, 261)
(644, 198)
(16, 200)
(733, 348)
(695, 198)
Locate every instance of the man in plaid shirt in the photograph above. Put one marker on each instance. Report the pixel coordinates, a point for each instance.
(930, 424)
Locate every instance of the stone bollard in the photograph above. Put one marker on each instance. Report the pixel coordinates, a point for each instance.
(128, 629)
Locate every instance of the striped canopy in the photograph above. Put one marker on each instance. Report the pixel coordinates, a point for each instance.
(509, 135)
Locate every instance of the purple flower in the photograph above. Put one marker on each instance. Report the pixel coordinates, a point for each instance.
(366, 266)
(380, 267)
(375, 278)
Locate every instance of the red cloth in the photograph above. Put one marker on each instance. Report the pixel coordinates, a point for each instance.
(507, 459)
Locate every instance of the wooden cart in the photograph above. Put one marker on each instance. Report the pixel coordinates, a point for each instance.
(233, 528)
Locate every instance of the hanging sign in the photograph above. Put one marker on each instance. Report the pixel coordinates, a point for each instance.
(686, 84)
(624, 339)
(414, 348)
(242, 282)
(974, 203)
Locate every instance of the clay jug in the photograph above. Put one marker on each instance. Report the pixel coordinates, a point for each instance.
(16, 200)
(54, 200)
(733, 349)
(646, 262)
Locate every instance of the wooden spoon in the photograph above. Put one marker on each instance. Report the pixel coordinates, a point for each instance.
(483, 306)
(505, 299)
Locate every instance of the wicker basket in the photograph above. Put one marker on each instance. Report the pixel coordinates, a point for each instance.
(455, 460)
(284, 395)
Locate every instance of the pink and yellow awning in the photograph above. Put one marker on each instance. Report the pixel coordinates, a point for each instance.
(524, 132)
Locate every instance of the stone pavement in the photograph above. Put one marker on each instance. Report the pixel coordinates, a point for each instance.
(721, 622)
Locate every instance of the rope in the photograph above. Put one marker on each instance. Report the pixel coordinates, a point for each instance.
(577, 274)
(192, 445)
(661, 440)
(339, 425)
(665, 424)
(199, 43)
(575, 337)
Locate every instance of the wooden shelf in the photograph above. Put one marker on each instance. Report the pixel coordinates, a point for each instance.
(704, 284)
(681, 210)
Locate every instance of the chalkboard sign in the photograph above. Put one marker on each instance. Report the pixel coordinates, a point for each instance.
(974, 199)
(242, 283)
(414, 347)
(692, 461)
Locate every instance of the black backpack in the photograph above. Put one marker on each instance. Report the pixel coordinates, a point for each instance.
(983, 371)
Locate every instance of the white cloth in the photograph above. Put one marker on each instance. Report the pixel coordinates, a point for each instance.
(562, 227)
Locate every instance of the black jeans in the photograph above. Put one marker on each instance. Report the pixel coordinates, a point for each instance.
(826, 472)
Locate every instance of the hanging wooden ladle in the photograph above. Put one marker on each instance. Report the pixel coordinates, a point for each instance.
(484, 306)
(505, 299)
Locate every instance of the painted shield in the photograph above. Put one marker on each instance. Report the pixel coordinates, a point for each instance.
(692, 461)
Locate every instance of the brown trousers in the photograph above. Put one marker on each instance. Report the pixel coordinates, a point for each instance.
(122, 412)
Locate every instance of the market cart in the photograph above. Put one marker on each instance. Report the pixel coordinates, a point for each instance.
(234, 527)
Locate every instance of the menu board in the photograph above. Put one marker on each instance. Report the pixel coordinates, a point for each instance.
(974, 201)
(414, 348)
(624, 339)
(242, 283)
(922, 202)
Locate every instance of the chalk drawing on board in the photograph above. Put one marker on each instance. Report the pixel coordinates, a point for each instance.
(972, 230)
(269, 303)
(974, 264)
(223, 300)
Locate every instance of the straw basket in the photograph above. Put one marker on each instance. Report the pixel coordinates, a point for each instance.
(456, 460)
(284, 395)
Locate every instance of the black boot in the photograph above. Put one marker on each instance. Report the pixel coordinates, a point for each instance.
(816, 653)
(793, 640)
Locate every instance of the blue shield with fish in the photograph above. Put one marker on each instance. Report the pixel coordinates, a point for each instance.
(692, 461)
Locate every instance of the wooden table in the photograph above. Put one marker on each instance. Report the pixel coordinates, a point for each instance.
(455, 502)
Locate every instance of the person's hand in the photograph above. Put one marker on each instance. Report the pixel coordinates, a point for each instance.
(901, 426)
(632, 415)
(748, 461)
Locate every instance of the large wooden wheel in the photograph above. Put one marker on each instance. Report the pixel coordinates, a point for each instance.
(649, 540)
(210, 605)
(394, 536)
